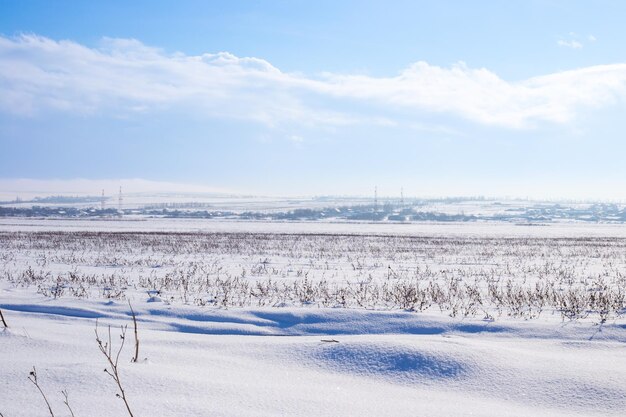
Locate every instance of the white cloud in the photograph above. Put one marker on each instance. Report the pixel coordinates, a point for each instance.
(481, 96)
(122, 76)
(573, 44)
(126, 76)
(575, 41)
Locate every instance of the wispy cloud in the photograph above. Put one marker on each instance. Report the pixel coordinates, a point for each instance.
(575, 41)
(124, 76)
(573, 44)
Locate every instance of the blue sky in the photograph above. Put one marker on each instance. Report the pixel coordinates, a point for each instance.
(519, 98)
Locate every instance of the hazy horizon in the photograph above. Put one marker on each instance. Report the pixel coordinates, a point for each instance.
(29, 189)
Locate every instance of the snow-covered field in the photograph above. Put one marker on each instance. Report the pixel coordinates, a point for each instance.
(448, 229)
(301, 319)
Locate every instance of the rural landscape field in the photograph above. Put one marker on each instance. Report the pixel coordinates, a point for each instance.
(449, 319)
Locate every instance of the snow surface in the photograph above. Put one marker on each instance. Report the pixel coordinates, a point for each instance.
(304, 361)
(200, 362)
(448, 229)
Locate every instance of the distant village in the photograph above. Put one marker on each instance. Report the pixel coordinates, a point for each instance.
(384, 211)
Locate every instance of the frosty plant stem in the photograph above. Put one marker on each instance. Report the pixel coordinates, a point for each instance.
(113, 371)
(3, 321)
(32, 377)
(66, 401)
(136, 358)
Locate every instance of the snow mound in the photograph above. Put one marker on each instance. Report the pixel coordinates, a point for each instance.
(401, 363)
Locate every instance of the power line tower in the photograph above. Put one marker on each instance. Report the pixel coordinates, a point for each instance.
(119, 200)
(401, 197)
(102, 201)
(375, 198)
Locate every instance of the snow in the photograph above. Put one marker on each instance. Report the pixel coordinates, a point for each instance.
(448, 229)
(301, 360)
(232, 362)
